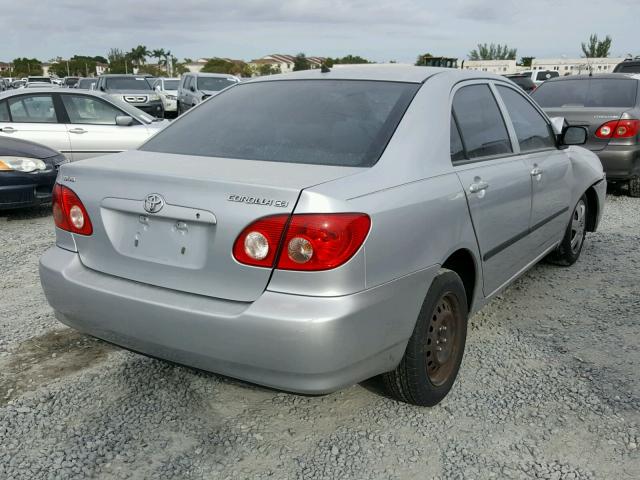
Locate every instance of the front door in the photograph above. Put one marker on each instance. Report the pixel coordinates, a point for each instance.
(92, 127)
(549, 168)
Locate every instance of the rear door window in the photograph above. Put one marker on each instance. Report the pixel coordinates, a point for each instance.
(32, 109)
(481, 124)
(323, 122)
(592, 92)
(532, 130)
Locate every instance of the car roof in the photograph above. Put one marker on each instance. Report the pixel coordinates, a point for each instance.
(378, 72)
(600, 76)
(205, 74)
(13, 93)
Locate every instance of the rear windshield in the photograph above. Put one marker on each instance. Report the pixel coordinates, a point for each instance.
(323, 122)
(171, 84)
(594, 92)
(127, 83)
(39, 79)
(215, 83)
(633, 68)
(542, 76)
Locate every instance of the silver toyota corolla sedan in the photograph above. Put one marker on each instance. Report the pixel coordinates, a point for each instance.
(311, 230)
(78, 123)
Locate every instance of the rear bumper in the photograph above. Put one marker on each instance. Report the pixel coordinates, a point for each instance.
(292, 342)
(620, 162)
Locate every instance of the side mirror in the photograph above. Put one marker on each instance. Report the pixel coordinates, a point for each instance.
(192, 88)
(102, 88)
(574, 135)
(124, 120)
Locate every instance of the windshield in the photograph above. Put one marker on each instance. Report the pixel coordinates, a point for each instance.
(127, 83)
(86, 83)
(323, 122)
(214, 83)
(594, 92)
(634, 68)
(171, 84)
(39, 79)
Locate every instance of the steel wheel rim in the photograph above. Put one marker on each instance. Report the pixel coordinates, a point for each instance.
(578, 226)
(442, 340)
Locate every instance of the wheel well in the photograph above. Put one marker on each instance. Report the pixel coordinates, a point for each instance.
(592, 209)
(462, 262)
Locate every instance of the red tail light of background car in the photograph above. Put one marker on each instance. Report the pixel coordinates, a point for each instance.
(619, 129)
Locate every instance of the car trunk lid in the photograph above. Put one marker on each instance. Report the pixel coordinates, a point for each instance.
(186, 244)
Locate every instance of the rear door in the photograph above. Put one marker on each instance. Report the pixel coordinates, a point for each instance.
(496, 182)
(549, 168)
(34, 117)
(91, 123)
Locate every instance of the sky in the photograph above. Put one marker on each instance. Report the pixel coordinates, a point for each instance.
(380, 30)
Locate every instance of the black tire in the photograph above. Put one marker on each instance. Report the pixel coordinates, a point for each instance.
(178, 109)
(634, 187)
(570, 248)
(428, 370)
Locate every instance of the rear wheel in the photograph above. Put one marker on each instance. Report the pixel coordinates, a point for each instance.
(570, 248)
(432, 359)
(634, 187)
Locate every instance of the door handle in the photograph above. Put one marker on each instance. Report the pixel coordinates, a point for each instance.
(8, 130)
(478, 187)
(77, 130)
(536, 171)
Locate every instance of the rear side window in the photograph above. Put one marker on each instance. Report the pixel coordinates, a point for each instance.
(532, 130)
(481, 124)
(32, 109)
(4, 112)
(592, 92)
(323, 122)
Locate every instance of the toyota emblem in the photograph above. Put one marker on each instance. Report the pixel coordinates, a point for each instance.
(153, 203)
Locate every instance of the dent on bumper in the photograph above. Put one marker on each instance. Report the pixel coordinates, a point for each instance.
(292, 342)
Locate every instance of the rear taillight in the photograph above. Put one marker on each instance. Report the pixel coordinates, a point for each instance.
(68, 211)
(619, 129)
(312, 242)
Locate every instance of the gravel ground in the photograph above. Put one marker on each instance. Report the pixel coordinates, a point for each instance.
(549, 388)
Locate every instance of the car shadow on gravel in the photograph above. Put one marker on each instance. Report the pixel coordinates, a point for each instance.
(40, 211)
(40, 360)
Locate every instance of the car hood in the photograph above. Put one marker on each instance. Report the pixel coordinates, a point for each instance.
(24, 148)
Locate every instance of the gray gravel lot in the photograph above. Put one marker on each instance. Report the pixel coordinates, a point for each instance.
(549, 388)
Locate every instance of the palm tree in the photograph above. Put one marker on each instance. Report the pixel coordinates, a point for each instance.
(138, 54)
(158, 54)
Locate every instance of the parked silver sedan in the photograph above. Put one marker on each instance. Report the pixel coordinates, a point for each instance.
(79, 124)
(315, 229)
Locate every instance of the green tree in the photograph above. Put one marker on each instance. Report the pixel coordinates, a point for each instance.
(159, 54)
(217, 65)
(138, 55)
(268, 69)
(23, 67)
(493, 52)
(119, 62)
(301, 63)
(346, 60)
(78, 65)
(526, 61)
(597, 48)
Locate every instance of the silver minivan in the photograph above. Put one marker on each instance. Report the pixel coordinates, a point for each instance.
(196, 87)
